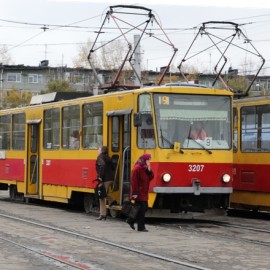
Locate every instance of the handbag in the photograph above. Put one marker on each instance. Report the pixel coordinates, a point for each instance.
(100, 191)
(126, 208)
(135, 208)
(130, 210)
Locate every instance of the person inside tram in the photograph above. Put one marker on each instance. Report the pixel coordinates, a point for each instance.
(197, 131)
(74, 140)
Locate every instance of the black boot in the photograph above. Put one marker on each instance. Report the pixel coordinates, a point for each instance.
(101, 218)
(130, 223)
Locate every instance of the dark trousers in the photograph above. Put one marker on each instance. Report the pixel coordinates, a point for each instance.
(141, 214)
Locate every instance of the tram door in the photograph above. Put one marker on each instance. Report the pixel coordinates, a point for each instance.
(32, 179)
(119, 138)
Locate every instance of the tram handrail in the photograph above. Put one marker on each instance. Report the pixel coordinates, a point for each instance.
(122, 173)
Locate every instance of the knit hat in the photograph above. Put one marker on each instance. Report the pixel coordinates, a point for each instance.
(145, 157)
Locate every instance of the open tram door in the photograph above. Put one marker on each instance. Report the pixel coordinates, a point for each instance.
(33, 160)
(119, 138)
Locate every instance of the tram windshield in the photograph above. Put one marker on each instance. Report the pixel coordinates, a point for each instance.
(195, 121)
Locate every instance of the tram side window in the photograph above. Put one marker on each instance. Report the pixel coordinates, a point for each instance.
(255, 129)
(127, 131)
(51, 129)
(71, 127)
(145, 132)
(115, 134)
(5, 129)
(249, 129)
(92, 125)
(264, 112)
(235, 131)
(18, 131)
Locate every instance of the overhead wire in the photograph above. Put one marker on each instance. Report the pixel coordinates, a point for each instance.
(52, 27)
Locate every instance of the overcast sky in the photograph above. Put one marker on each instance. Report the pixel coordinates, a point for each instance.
(21, 23)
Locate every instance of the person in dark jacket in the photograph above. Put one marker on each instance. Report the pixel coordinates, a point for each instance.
(104, 169)
(141, 176)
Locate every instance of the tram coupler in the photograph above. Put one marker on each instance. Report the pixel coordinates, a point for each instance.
(196, 184)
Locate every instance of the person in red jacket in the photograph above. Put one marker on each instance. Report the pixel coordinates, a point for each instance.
(141, 176)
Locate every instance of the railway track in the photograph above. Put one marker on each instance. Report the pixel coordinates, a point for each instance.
(186, 244)
(95, 239)
(216, 229)
(62, 260)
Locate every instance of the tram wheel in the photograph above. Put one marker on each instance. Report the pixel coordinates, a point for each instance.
(114, 213)
(90, 204)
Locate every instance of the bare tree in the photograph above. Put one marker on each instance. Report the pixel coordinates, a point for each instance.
(108, 57)
(5, 58)
(113, 55)
(81, 59)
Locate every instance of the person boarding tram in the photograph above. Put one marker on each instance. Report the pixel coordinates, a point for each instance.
(105, 170)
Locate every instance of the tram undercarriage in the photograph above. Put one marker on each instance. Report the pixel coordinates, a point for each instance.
(178, 203)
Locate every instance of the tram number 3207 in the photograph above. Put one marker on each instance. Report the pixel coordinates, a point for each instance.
(195, 168)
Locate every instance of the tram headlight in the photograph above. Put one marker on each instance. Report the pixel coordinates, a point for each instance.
(226, 178)
(166, 177)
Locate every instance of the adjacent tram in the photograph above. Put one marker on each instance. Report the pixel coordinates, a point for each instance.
(38, 159)
(251, 154)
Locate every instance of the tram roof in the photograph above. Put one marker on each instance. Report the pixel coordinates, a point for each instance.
(57, 96)
(251, 99)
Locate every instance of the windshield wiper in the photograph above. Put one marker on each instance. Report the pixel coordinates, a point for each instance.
(165, 139)
(201, 145)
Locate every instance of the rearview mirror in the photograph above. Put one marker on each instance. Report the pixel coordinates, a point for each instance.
(137, 119)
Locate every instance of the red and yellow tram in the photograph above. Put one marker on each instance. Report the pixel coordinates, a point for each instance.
(39, 159)
(251, 154)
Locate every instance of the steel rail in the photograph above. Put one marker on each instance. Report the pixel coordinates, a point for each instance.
(46, 254)
(83, 236)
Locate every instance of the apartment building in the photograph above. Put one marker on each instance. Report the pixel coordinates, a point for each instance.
(34, 79)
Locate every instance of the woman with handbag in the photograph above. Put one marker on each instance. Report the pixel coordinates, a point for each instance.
(141, 176)
(104, 169)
